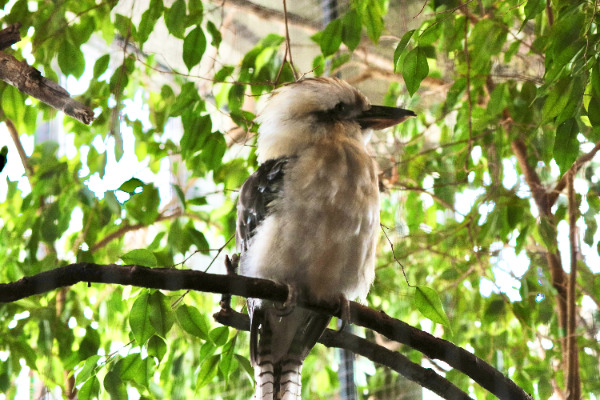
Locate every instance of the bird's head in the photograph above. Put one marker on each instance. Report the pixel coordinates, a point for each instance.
(304, 112)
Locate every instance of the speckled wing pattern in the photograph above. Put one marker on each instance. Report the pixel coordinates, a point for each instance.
(256, 194)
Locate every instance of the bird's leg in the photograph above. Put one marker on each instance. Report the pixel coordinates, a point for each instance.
(345, 314)
(290, 303)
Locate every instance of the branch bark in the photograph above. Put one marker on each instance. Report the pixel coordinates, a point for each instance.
(30, 81)
(573, 379)
(541, 197)
(173, 279)
(9, 36)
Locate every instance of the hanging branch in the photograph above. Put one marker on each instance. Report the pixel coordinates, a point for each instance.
(173, 279)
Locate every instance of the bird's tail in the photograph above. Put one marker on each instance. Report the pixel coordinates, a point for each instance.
(276, 379)
(278, 347)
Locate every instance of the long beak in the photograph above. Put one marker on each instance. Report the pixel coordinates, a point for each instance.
(381, 117)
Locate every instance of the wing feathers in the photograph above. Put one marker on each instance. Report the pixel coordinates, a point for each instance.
(256, 194)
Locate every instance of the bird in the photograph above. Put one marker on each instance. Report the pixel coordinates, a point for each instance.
(308, 218)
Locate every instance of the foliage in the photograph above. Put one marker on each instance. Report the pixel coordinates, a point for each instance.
(469, 204)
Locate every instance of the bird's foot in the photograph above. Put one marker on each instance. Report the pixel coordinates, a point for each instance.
(345, 315)
(290, 303)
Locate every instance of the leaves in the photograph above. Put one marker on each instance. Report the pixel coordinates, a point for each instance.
(331, 37)
(414, 69)
(141, 257)
(156, 178)
(566, 145)
(192, 321)
(429, 304)
(194, 46)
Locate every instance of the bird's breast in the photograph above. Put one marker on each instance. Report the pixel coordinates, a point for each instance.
(321, 233)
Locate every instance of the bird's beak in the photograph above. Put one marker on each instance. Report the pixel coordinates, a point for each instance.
(381, 117)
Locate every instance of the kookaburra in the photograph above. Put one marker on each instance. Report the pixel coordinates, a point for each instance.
(308, 218)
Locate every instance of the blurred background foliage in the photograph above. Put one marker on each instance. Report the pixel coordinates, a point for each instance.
(474, 201)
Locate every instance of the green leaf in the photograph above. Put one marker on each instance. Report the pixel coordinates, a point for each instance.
(149, 19)
(372, 17)
(331, 38)
(70, 59)
(89, 390)
(131, 368)
(124, 26)
(156, 347)
(194, 46)
(13, 103)
(219, 335)
(131, 185)
(429, 304)
(139, 319)
(400, 49)
(88, 369)
(213, 150)
(243, 361)
(101, 65)
(175, 19)
(141, 257)
(192, 321)
(351, 29)
(596, 79)
(414, 69)
(235, 97)
(114, 386)
(208, 370)
(557, 99)
(196, 130)
(215, 34)
(594, 111)
(533, 8)
(566, 145)
(143, 206)
(227, 361)
(161, 314)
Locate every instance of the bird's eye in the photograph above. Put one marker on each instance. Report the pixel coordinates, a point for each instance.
(340, 108)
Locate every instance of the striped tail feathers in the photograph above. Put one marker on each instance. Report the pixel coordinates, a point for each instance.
(278, 347)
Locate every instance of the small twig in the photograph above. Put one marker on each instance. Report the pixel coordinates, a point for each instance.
(469, 99)
(383, 228)
(219, 252)
(549, 13)
(288, 47)
(15, 137)
(128, 228)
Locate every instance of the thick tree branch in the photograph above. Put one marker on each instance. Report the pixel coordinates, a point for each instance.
(173, 279)
(9, 36)
(425, 377)
(30, 81)
(541, 197)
